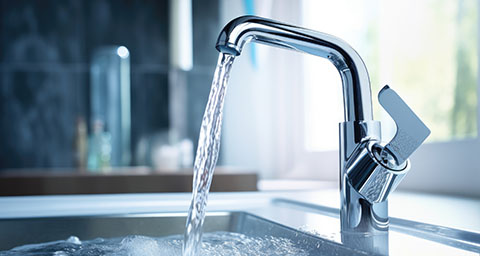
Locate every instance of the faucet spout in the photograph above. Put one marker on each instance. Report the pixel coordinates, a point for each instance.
(354, 74)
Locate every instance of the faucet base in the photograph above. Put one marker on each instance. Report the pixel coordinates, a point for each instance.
(373, 244)
(363, 225)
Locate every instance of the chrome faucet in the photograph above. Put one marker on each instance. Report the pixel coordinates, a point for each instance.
(369, 169)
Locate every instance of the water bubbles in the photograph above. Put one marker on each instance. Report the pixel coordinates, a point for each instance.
(140, 245)
(74, 240)
(214, 244)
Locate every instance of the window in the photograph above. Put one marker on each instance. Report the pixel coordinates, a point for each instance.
(428, 52)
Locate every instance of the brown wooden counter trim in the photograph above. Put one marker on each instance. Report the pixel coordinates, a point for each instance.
(111, 183)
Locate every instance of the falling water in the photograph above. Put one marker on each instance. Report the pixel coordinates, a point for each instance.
(207, 154)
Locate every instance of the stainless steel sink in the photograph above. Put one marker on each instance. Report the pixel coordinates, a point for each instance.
(311, 227)
(16, 232)
(433, 239)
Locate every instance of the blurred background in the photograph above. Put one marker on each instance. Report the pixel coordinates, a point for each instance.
(107, 96)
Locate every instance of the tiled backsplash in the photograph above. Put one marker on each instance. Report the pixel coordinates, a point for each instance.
(45, 51)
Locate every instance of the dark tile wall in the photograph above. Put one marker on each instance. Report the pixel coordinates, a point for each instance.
(142, 26)
(149, 104)
(45, 50)
(38, 114)
(42, 31)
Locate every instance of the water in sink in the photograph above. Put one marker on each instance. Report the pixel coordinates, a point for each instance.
(207, 154)
(216, 243)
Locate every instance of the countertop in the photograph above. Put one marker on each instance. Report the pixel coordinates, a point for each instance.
(453, 212)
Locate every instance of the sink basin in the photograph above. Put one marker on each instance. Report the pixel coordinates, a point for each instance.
(20, 231)
(308, 223)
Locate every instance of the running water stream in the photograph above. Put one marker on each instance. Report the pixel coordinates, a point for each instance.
(207, 155)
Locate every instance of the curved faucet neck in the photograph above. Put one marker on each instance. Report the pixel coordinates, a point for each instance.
(365, 179)
(354, 74)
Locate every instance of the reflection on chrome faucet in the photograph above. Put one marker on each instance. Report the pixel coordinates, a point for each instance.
(369, 169)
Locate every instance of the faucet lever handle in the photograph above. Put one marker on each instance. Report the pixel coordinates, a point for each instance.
(411, 131)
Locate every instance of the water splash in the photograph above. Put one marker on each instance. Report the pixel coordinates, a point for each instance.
(207, 155)
(214, 244)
